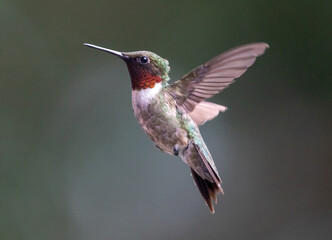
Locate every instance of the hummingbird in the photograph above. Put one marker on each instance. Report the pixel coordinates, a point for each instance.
(171, 114)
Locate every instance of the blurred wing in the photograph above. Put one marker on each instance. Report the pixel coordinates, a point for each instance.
(206, 111)
(212, 77)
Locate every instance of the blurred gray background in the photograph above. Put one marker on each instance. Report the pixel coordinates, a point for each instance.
(74, 163)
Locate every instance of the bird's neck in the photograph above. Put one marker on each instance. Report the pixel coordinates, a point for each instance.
(142, 78)
(143, 97)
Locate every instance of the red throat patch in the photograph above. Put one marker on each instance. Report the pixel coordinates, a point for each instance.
(142, 79)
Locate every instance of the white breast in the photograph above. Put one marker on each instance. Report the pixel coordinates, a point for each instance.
(142, 98)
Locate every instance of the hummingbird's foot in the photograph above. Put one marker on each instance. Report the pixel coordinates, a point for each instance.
(186, 148)
(176, 150)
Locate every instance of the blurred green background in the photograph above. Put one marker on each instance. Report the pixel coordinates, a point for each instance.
(74, 163)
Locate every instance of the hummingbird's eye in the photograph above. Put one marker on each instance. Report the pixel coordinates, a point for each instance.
(144, 59)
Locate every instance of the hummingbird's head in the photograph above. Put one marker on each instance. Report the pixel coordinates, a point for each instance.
(146, 68)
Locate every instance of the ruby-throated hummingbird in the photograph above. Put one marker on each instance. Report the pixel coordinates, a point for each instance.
(171, 113)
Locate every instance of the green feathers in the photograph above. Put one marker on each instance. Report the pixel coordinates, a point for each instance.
(161, 64)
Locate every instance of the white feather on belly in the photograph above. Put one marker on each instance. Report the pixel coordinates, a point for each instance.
(143, 97)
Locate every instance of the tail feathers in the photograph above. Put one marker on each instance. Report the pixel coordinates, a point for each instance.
(208, 180)
(208, 190)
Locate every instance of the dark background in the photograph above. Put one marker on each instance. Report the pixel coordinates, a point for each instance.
(74, 163)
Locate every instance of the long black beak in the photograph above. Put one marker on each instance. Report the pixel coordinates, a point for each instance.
(116, 53)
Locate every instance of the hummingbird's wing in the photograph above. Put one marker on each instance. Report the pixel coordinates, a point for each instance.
(206, 111)
(212, 77)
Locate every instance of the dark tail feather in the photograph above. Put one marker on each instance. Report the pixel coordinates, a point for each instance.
(209, 190)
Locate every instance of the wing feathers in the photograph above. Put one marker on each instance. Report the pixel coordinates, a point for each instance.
(205, 111)
(214, 76)
(255, 49)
